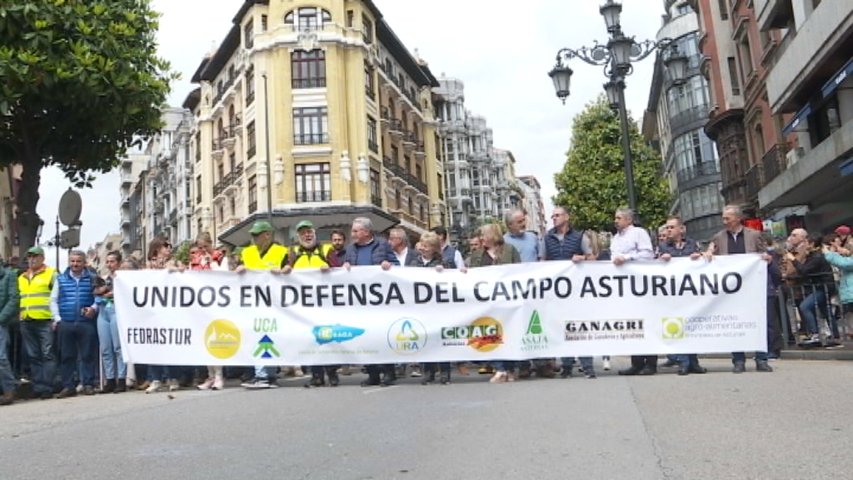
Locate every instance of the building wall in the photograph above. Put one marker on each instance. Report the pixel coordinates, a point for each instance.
(532, 204)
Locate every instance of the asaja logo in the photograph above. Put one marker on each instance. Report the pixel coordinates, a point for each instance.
(222, 339)
(407, 336)
(324, 334)
(483, 335)
(672, 328)
(534, 339)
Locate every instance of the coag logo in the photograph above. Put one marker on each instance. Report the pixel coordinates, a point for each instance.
(222, 339)
(484, 334)
(672, 328)
(407, 336)
(324, 334)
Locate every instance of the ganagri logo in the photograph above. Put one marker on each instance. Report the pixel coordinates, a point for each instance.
(222, 339)
(672, 328)
(407, 336)
(483, 335)
(534, 339)
(324, 334)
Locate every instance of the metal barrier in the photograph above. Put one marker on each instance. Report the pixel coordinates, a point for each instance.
(807, 304)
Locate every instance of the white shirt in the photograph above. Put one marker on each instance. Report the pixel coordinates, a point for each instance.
(401, 257)
(632, 243)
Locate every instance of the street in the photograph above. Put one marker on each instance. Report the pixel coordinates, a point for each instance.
(789, 424)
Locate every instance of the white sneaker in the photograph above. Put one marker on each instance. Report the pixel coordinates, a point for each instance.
(174, 385)
(257, 384)
(499, 377)
(218, 383)
(297, 372)
(606, 364)
(206, 385)
(154, 387)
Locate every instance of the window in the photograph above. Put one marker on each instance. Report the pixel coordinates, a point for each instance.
(249, 86)
(313, 183)
(421, 212)
(308, 69)
(350, 18)
(307, 19)
(745, 57)
(310, 125)
(250, 139)
(264, 23)
(395, 154)
(758, 141)
(419, 172)
(372, 139)
(733, 78)
(198, 190)
(220, 170)
(366, 29)
(369, 86)
(691, 95)
(683, 9)
(410, 205)
(724, 9)
(249, 34)
(398, 199)
(375, 188)
(233, 207)
(253, 194)
(198, 146)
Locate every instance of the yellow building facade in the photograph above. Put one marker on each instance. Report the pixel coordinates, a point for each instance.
(322, 103)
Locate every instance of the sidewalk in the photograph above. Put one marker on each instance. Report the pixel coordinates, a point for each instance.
(792, 352)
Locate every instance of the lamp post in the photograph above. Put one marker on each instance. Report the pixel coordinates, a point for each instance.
(616, 57)
(267, 148)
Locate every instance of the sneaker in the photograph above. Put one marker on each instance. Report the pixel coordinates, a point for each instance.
(153, 387)
(218, 383)
(67, 392)
(444, 378)
(144, 385)
(88, 390)
(174, 386)
(206, 385)
(346, 370)
(416, 371)
(499, 377)
(334, 380)
(297, 372)
(257, 384)
(606, 364)
(831, 344)
(589, 373)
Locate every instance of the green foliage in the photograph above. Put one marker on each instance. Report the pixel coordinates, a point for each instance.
(592, 183)
(182, 253)
(79, 82)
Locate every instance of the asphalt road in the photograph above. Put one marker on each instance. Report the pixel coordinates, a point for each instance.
(790, 424)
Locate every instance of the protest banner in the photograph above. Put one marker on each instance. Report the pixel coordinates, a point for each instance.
(508, 312)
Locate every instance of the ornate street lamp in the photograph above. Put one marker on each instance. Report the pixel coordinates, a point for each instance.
(617, 57)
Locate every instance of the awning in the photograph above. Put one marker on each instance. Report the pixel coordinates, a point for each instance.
(837, 79)
(798, 117)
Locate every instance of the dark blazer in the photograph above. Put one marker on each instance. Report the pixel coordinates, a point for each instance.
(751, 241)
(380, 251)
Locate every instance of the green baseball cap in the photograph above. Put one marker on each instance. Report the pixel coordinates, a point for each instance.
(304, 224)
(35, 251)
(259, 227)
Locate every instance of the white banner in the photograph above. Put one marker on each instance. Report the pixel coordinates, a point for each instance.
(508, 312)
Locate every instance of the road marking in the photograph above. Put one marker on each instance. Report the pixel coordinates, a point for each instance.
(378, 389)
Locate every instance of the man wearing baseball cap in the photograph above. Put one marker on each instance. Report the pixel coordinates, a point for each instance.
(37, 323)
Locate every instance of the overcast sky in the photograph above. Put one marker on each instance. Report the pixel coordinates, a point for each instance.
(502, 55)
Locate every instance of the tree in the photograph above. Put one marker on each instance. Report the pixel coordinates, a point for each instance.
(592, 184)
(79, 83)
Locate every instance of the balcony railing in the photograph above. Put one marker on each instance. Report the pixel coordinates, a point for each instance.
(253, 206)
(310, 138)
(318, 82)
(773, 162)
(698, 170)
(314, 196)
(376, 199)
(401, 172)
(225, 87)
(690, 115)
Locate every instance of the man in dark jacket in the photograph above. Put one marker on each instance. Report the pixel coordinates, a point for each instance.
(367, 249)
(9, 303)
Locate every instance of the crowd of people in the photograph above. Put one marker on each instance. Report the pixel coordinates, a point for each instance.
(66, 321)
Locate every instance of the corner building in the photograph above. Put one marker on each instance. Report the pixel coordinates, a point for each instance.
(313, 110)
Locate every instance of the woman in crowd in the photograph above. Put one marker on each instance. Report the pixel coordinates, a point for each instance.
(494, 251)
(204, 257)
(818, 286)
(115, 370)
(839, 257)
(430, 257)
(160, 258)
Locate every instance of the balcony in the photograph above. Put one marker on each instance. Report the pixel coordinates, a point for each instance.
(420, 150)
(314, 196)
(221, 91)
(297, 83)
(773, 162)
(385, 115)
(404, 174)
(395, 129)
(409, 141)
(699, 170)
(310, 138)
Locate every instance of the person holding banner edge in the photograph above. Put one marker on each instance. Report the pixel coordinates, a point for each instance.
(263, 254)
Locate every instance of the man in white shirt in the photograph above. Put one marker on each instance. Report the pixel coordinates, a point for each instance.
(400, 245)
(631, 244)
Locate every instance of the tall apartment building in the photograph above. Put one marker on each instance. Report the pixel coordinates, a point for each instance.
(532, 204)
(748, 136)
(675, 117)
(155, 185)
(313, 110)
(810, 79)
(481, 182)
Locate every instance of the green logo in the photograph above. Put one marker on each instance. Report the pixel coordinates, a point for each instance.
(535, 325)
(672, 328)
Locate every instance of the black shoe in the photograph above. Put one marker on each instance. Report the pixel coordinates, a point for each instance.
(109, 387)
(669, 363)
(334, 380)
(387, 382)
(44, 395)
(630, 371)
(121, 386)
(698, 369)
(444, 379)
(683, 370)
(763, 366)
(647, 370)
(67, 393)
(316, 381)
(739, 367)
(370, 382)
(566, 372)
(88, 390)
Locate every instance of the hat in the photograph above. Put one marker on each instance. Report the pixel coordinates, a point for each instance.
(260, 226)
(304, 224)
(843, 230)
(35, 251)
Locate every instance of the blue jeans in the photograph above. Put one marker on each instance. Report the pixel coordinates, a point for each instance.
(37, 336)
(808, 309)
(159, 373)
(77, 339)
(686, 359)
(504, 365)
(586, 363)
(110, 344)
(264, 373)
(7, 379)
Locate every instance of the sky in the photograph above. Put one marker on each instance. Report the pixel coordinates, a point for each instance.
(502, 54)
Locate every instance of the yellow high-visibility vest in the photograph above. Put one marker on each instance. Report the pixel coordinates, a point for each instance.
(273, 257)
(298, 257)
(35, 294)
